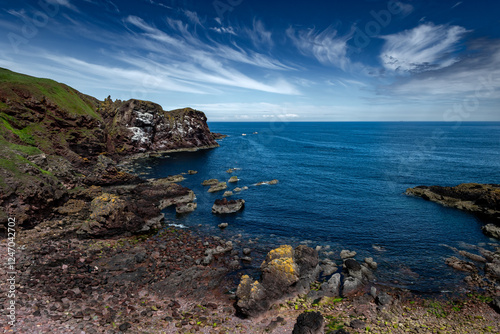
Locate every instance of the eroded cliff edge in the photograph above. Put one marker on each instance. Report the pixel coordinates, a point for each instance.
(51, 137)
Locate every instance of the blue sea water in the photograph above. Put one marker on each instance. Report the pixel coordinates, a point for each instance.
(341, 186)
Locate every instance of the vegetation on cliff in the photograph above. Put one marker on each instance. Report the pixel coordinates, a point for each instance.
(51, 136)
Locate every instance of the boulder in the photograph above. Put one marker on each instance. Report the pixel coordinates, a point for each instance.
(192, 172)
(252, 297)
(370, 263)
(237, 189)
(230, 170)
(217, 187)
(223, 206)
(284, 273)
(331, 288)
(309, 323)
(228, 193)
(345, 254)
(351, 285)
(185, 207)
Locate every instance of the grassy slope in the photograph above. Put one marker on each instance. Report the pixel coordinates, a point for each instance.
(25, 132)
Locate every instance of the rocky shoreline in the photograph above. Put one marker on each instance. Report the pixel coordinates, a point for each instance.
(482, 200)
(93, 253)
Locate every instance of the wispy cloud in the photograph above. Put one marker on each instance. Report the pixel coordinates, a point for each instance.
(477, 74)
(259, 35)
(193, 17)
(426, 47)
(64, 3)
(192, 60)
(224, 30)
(327, 46)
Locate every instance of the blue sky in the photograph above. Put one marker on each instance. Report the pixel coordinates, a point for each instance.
(250, 60)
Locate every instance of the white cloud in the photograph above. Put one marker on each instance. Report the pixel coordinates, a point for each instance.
(426, 47)
(224, 30)
(477, 75)
(259, 35)
(327, 46)
(64, 3)
(193, 17)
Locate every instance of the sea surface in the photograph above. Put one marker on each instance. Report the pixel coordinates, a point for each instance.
(341, 186)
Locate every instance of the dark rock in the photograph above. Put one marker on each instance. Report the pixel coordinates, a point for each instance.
(357, 324)
(309, 323)
(125, 326)
(496, 304)
(185, 207)
(383, 299)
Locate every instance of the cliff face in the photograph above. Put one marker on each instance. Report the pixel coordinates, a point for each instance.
(51, 136)
(139, 126)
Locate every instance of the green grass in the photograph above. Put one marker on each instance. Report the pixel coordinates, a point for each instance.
(60, 94)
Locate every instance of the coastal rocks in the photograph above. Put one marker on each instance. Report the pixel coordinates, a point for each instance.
(233, 179)
(228, 193)
(284, 272)
(210, 182)
(182, 208)
(268, 182)
(345, 254)
(171, 194)
(218, 187)
(111, 215)
(481, 199)
(491, 230)
(331, 288)
(169, 180)
(223, 225)
(142, 126)
(461, 265)
(230, 170)
(192, 172)
(223, 206)
(309, 323)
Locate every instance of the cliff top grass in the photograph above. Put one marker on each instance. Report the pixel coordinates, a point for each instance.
(17, 87)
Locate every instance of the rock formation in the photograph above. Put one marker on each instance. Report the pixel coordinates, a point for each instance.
(480, 199)
(54, 139)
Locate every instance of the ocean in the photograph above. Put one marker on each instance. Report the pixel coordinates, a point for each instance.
(341, 186)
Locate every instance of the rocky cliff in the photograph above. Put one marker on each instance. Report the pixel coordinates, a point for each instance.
(51, 136)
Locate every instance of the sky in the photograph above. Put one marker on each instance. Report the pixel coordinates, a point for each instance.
(252, 60)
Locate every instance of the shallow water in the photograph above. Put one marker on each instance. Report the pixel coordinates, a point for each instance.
(341, 186)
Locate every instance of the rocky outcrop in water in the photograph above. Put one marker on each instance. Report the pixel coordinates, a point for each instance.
(223, 206)
(480, 199)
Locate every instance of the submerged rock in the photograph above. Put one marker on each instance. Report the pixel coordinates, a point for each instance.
(461, 265)
(223, 206)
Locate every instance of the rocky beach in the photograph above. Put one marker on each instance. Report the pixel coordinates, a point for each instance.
(93, 252)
